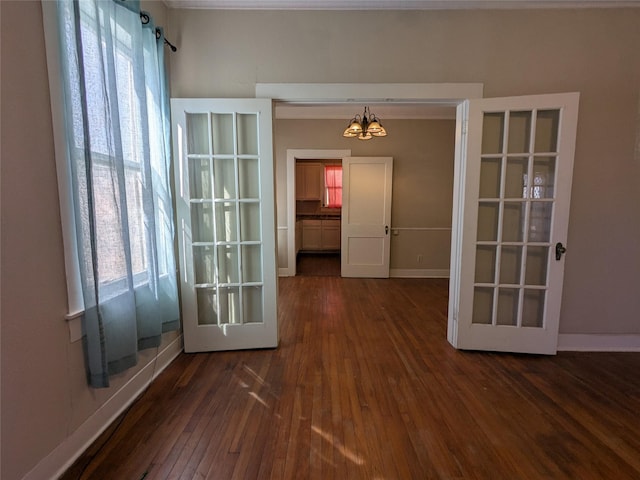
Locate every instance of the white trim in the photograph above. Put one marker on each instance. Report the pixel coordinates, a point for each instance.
(322, 93)
(396, 5)
(72, 267)
(68, 451)
(418, 273)
(345, 111)
(75, 328)
(457, 220)
(284, 272)
(598, 342)
(441, 93)
(292, 155)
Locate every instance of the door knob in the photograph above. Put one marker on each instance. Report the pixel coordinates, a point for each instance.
(560, 250)
(386, 229)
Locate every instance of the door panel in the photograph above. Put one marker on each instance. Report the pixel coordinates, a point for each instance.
(225, 208)
(366, 216)
(516, 186)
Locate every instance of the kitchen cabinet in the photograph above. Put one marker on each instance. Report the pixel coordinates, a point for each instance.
(312, 235)
(318, 235)
(309, 181)
(330, 233)
(298, 238)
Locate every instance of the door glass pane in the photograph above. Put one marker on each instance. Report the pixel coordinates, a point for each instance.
(488, 221)
(537, 259)
(485, 264)
(225, 211)
(251, 263)
(228, 264)
(203, 262)
(200, 179)
(547, 122)
(202, 222)
(492, 132)
(229, 305)
(224, 175)
(222, 133)
(540, 221)
(510, 264)
(226, 222)
(250, 221)
(519, 132)
(249, 177)
(197, 137)
(207, 309)
(513, 222)
(544, 171)
(533, 308)
(516, 178)
(507, 312)
(252, 304)
(247, 134)
(490, 177)
(482, 306)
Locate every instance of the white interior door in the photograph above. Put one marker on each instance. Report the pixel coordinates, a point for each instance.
(511, 201)
(226, 221)
(366, 216)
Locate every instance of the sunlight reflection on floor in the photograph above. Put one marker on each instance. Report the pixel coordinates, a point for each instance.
(354, 457)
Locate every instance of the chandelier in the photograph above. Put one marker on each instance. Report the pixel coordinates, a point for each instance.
(365, 127)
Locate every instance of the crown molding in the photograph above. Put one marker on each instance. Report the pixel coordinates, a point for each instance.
(396, 4)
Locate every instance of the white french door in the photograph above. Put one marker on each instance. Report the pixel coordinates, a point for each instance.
(226, 222)
(511, 201)
(366, 216)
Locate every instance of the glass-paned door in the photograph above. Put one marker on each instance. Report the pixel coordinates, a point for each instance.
(517, 184)
(224, 178)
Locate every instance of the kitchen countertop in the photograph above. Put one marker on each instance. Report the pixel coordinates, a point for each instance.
(317, 217)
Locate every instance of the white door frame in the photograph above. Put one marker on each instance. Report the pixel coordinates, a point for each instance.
(451, 94)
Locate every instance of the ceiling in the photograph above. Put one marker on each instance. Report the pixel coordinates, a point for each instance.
(395, 4)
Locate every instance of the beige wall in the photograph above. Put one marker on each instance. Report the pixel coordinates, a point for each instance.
(45, 397)
(422, 152)
(595, 52)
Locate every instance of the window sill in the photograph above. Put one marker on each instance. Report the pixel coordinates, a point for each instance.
(74, 322)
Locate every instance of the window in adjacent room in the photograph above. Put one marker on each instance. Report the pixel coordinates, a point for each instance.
(333, 186)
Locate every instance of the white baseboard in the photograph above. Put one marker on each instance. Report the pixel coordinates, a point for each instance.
(418, 273)
(60, 459)
(578, 342)
(285, 272)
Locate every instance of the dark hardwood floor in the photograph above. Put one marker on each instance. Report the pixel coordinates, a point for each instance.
(318, 264)
(365, 386)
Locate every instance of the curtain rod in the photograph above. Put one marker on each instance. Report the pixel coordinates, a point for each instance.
(146, 19)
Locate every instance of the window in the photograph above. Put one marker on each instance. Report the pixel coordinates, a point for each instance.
(110, 107)
(333, 186)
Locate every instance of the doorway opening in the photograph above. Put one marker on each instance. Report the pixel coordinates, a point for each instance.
(318, 208)
(295, 223)
(309, 264)
(323, 98)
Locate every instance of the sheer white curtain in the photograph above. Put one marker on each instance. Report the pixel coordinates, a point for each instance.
(116, 114)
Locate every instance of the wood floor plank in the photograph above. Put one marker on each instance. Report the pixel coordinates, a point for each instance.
(365, 386)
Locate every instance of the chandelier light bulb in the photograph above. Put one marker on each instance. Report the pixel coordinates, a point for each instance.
(365, 127)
